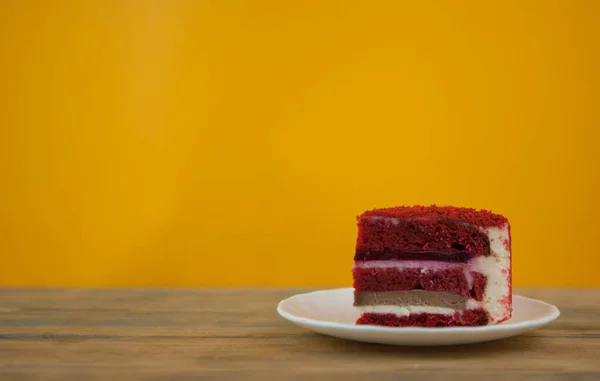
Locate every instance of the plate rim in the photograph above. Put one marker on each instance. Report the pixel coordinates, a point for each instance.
(437, 330)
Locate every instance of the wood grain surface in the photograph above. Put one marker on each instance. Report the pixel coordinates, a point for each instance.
(236, 334)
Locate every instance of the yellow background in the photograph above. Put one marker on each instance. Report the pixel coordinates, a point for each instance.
(234, 142)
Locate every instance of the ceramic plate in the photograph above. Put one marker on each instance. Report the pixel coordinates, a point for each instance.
(330, 312)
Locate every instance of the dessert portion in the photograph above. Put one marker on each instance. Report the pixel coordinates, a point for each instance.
(432, 267)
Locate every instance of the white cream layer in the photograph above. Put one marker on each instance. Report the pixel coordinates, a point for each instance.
(407, 310)
(496, 267)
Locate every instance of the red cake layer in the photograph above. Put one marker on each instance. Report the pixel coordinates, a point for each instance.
(393, 279)
(467, 318)
(383, 238)
(481, 218)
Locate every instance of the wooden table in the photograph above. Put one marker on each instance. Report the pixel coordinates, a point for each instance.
(236, 334)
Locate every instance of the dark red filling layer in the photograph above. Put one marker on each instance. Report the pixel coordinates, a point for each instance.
(390, 239)
(467, 318)
(371, 255)
(391, 279)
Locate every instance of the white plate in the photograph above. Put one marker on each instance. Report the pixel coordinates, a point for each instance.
(330, 312)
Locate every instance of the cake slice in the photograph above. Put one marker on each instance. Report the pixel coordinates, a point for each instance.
(432, 267)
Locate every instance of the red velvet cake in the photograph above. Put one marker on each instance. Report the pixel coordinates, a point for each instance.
(432, 267)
